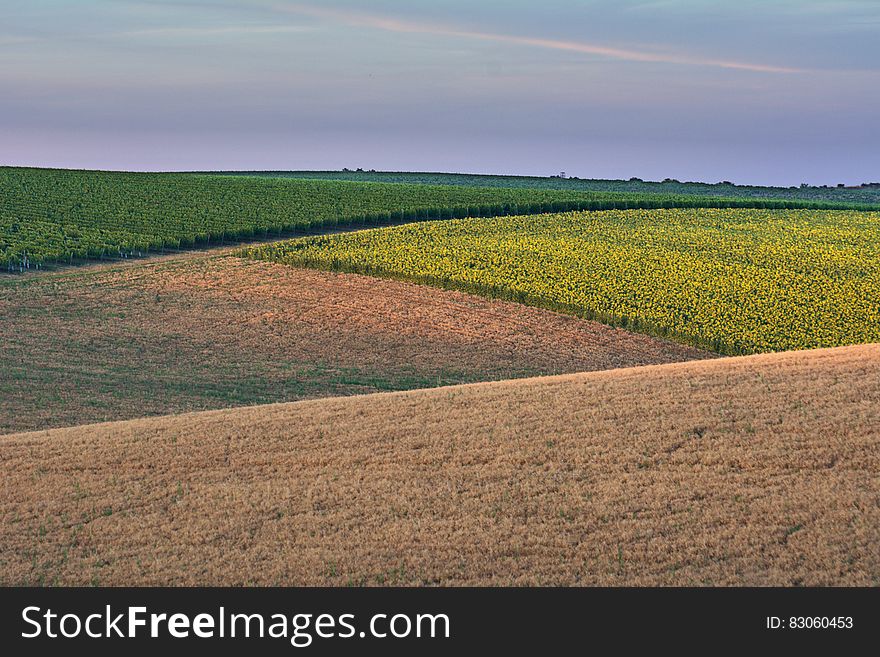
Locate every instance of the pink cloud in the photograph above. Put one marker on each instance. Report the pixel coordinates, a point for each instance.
(395, 25)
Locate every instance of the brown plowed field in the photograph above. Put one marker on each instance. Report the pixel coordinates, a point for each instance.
(201, 331)
(755, 470)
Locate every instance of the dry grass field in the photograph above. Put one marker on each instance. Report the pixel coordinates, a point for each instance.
(202, 331)
(743, 471)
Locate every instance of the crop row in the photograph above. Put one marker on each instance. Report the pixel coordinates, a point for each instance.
(58, 215)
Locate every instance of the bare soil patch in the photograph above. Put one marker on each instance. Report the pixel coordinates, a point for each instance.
(202, 331)
(756, 470)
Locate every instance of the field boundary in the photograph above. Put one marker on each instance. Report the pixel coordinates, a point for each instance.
(629, 371)
(448, 265)
(501, 292)
(22, 264)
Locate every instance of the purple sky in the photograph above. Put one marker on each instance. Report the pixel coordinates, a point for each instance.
(756, 91)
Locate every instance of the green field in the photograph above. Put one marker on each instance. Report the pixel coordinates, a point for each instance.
(866, 195)
(56, 215)
(735, 281)
(64, 216)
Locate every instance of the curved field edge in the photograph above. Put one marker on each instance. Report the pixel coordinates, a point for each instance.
(198, 332)
(758, 470)
(503, 293)
(729, 280)
(60, 216)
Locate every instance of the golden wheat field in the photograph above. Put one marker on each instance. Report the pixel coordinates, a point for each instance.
(752, 470)
(733, 280)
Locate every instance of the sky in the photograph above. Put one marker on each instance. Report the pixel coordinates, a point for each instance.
(776, 92)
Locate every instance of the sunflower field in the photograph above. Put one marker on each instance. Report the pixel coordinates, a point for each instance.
(736, 281)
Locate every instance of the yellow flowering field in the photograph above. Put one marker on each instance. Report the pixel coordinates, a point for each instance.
(734, 280)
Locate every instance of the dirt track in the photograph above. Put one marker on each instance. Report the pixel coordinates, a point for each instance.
(757, 470)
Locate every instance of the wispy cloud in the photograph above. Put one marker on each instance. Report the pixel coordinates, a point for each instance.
(626, 54)
(229, 30)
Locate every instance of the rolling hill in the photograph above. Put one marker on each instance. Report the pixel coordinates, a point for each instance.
(756, 470)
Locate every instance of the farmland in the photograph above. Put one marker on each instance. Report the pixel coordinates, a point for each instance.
(477, 397)
(732, 280)
(56, 215)
(197, 331)
(759, 470)
(863, 195)
(51, 216)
